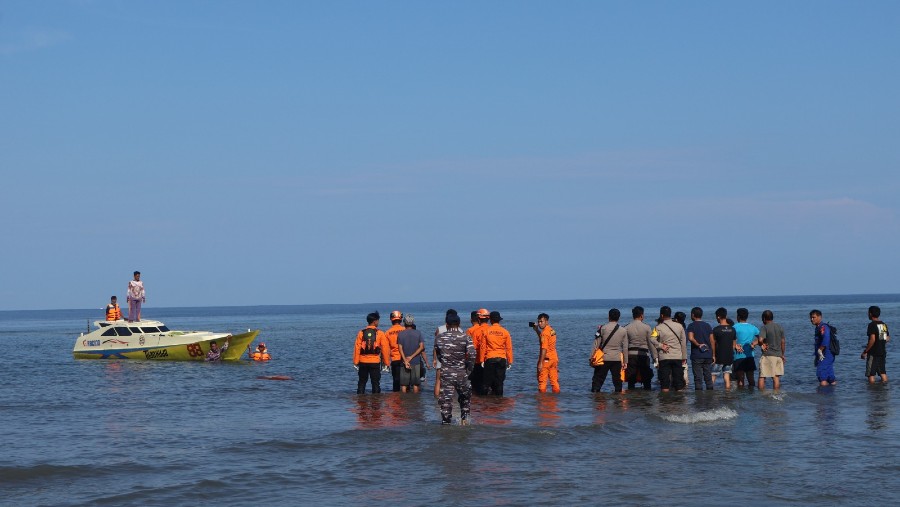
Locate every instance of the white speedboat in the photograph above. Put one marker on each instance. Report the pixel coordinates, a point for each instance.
(151, 339)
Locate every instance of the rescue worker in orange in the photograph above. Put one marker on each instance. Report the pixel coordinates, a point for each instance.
(548, 361)
(371, 350)
(474, 332)
(497, 354)
(479, 322)
(396, 360)
(113, 312)
(261, 354)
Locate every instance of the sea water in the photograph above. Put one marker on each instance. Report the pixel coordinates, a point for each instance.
(119, 432)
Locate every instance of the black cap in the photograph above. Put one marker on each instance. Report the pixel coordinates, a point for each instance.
(495, 317)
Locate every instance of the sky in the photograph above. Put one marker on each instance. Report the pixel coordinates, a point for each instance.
(284, 152)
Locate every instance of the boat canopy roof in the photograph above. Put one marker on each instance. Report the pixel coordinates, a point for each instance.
(125, 323)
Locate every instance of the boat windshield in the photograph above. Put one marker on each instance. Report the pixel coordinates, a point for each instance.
(117, 331)
(163, 329)
(150, 329)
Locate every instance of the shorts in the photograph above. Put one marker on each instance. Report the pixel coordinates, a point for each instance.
(771, 366)
(718, 369)
(744, 364)
(875, 366)
(410, 377)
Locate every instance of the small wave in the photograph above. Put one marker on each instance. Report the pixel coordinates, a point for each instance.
(719, 414)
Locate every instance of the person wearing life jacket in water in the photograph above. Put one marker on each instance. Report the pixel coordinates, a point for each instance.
(113, 312)
(371, 350)
(261, 353)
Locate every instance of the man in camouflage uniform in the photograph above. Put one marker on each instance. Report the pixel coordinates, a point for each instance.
(456, 353)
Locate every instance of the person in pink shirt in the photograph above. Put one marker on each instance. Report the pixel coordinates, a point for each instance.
(135, 298)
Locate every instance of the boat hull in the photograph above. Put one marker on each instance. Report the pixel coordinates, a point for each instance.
(184, 347)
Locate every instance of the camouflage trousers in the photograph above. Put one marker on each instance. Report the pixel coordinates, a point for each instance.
(454, 381)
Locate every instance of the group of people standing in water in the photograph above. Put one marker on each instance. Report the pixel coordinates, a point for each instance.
(476, 360)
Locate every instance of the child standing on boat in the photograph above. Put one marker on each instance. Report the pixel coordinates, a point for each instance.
(135, 298)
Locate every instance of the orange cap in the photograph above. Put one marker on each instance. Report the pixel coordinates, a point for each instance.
(483, 313)
(396, 315)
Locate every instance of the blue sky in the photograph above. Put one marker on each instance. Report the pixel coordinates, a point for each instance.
(254, 153)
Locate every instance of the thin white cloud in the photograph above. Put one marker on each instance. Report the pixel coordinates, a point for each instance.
(33, 40)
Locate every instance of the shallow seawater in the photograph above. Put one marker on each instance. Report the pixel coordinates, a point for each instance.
(116, 432)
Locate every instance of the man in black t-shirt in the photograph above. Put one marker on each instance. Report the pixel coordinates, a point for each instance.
(876, 352)
(723, 343)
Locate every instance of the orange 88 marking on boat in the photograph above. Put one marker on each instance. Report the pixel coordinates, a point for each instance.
(194, 350)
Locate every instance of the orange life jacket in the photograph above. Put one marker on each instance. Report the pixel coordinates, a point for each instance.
(261, 356)
(113, 312)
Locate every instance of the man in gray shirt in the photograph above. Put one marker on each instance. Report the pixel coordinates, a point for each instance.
(672, 345)
(771, 364)
(613, 340)
(641, 351)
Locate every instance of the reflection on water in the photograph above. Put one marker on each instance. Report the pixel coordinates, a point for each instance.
(878, 407)
(492, 410)
(548, 410)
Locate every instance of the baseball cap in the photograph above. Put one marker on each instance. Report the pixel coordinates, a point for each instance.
(409, 320)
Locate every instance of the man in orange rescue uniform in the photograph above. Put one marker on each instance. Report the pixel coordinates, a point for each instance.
(548, 361)
(370, 351)
(498, 354)
(396, 361)
(479, 324)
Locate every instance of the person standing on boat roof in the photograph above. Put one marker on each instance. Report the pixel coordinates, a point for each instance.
(215, 353)
(136, 297)
(113, 312)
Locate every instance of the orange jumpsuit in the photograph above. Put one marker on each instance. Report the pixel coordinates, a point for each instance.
(550, 367)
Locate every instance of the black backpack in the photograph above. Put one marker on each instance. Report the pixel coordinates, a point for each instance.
(833, 345)
(370, 337)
